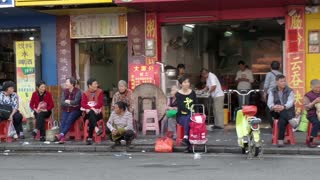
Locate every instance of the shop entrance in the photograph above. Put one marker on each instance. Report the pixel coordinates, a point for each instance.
(219, 46)
(103, 59)
(8, 37)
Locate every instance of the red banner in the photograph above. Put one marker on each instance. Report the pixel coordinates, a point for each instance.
(151, 38)
(295, 54)
(139, 74)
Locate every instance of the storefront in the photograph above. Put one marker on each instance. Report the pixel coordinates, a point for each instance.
(216, 35)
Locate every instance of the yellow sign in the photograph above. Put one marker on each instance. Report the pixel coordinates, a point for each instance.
(58, 2)
(26, 77)
(25, 54)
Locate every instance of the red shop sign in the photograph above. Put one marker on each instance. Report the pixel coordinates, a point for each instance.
(139, 74)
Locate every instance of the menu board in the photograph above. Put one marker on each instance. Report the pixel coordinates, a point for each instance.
(139, 74)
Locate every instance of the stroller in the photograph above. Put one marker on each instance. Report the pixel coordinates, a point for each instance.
(198, 130)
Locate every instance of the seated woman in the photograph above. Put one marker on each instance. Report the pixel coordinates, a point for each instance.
(42, 104)
(120, 125)
(124, 95)
(9, 98)
(186, 97)
(71, 103)
(170, 122)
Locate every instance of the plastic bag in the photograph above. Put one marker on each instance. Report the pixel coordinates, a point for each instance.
(164, 145)
(12, 131)
(294, 122)
(51, 133)
(303, 126)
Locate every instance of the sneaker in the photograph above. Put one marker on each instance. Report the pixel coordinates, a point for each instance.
(62, 140)
(99, 132)
(185, 142)
(280, 143)
(311, 145)
(89, 141)
(42, 139)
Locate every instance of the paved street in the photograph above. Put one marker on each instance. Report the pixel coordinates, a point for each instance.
(78, 166)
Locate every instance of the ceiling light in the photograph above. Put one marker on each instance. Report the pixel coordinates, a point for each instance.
(228, 33)
(31, 38)
(189, 25)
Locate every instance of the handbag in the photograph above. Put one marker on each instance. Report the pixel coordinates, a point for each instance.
(51, 133)
(171, 113)
(5, 111)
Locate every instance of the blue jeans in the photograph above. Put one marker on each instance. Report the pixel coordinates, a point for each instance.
(184, 121)
(315, 125)
(68, 118)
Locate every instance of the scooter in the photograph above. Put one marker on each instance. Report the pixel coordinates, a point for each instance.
(248, 127)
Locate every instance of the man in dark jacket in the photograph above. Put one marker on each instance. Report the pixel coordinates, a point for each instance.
(281, 104)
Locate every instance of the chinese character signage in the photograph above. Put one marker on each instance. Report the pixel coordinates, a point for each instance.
(6, 3)
(136, 36)
(151, 38)
(139, 74)
(58, 2)
(98, 26)
(295, 57)
(25, 67)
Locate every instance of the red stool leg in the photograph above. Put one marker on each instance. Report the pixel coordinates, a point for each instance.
(180, 133)
(289, 135)
(275, 132)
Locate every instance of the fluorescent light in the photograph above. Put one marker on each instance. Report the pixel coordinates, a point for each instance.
(31, 38)
(228, 33)
(189, 25)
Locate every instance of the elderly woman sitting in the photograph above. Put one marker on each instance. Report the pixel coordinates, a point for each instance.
(124, 95)
(120, 125)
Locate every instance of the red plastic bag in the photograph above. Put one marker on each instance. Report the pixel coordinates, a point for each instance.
(164, 145)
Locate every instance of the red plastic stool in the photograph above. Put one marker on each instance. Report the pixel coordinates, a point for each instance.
(97, 139)
(289, 136)
(4, 127)
(49, 125)
(75, 130)
(180, 134)
(309, 133)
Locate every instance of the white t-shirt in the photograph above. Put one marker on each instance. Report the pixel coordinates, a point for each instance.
(212, 80)
(244, 85)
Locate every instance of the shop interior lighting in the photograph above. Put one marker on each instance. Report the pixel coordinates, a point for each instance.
(189, 25)
(16, 30)
(31, 38)
(228, 33)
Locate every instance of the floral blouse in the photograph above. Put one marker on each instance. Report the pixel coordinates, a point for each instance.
(126, 97)
(11, 100)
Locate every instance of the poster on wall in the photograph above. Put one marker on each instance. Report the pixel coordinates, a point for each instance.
(139, 74)
(295, 57)
(26, 77)
(6, 3)
(314, 46)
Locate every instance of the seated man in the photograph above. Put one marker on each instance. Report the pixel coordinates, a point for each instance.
(281, 104)
(310, 101)
(120, 125)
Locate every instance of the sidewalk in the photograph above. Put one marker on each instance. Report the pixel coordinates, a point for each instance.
(220, 141)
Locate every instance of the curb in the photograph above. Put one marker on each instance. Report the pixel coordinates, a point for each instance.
(150, 148)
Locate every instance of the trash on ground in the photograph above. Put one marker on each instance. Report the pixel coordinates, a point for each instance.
(218, 140)
(59, 151)
(130, 157)
(197, 156)
(46, 142)
(6, 151)
(6, 154)
(25, 143)
(143, 151)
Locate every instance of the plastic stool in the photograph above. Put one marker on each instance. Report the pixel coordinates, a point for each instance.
(97, 139)
(150, 126)
(289, 136)
(180, 134)
(49, 125)
(75, 130)
(4, 127)
(309, 133)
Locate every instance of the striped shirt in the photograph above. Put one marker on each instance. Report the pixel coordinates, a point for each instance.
(125, 121)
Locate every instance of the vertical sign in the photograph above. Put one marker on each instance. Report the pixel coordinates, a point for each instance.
(151, 38)
(295, 58)
(143, 74)
(25, 68)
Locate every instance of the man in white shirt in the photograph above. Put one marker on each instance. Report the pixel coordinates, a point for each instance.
(244, 79)
(214, 87)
